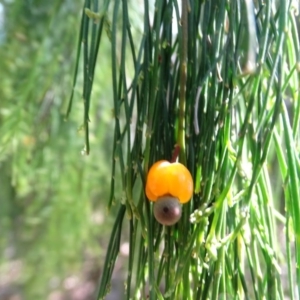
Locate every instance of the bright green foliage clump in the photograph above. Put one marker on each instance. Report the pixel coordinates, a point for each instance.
(219, 79)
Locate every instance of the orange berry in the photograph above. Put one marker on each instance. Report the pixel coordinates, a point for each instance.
(165, 178)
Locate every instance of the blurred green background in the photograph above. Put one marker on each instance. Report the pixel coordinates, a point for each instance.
(53, 219)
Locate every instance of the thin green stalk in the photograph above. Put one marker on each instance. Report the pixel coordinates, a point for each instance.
(294, 187)
(283, 170)
(152, 294)
(267, 7)
(132, 234)
(86, 79)
(183, 78)
(241, 266)
(290, 264)
(111, 255)
(248, 38)
(219, 266)
(80, 37)
(151, 92)
(168, 253)
(252, 269)
(279, 47)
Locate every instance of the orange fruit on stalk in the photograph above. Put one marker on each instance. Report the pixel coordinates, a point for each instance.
(168, 185)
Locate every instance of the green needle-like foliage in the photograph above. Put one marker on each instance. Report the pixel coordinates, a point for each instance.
(221, 80)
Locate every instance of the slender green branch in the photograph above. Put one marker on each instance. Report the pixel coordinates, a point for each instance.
(183, 78)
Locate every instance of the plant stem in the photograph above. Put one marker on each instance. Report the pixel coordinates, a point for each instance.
(182, 84)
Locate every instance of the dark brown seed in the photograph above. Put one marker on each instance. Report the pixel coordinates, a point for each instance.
(167, 210)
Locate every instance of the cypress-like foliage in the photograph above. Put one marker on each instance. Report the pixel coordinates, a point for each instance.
(219, 79)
